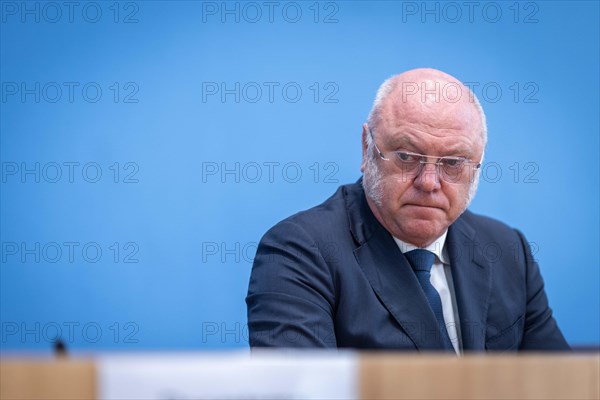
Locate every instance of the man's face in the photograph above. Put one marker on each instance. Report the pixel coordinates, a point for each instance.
(418, 209)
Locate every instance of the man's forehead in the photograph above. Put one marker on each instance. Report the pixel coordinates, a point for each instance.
(418, 132)
(446, 117)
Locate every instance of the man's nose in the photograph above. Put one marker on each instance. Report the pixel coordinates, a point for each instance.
(428, 179)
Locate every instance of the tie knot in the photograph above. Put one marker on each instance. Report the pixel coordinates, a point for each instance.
(420, 260)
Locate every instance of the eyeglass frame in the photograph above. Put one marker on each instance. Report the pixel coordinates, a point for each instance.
(423, 159)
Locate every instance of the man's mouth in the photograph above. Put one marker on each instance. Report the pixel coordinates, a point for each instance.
(424, 205)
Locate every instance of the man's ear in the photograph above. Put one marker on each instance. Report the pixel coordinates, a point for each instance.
(364, 147)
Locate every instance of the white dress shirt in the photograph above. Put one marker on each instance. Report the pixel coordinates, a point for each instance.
(441, 279)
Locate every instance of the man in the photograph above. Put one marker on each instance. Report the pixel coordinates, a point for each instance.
(395, 261)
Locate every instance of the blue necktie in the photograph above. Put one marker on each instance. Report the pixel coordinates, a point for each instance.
(421, 262)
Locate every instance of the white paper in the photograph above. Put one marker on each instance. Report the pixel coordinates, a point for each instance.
(230, 375)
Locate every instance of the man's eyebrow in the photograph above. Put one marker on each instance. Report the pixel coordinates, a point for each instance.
(459, 151)
(402, 140)
(405, 142)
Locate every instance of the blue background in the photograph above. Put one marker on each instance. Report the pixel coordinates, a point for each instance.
(202, 175)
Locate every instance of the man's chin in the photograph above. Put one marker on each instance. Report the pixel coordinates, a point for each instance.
(420, 232)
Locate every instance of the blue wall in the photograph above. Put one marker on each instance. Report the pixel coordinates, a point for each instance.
(146, 147)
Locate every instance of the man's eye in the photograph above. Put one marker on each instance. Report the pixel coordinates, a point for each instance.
(453, 162)
(407, 157)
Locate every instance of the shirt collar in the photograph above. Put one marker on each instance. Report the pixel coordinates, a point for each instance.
(437, 247)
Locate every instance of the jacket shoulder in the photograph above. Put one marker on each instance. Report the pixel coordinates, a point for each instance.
(322, 221)
(485, 225)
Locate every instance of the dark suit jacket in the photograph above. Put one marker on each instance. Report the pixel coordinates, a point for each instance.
(332, 276)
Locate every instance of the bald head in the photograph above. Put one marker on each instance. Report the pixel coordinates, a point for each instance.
(430, 96)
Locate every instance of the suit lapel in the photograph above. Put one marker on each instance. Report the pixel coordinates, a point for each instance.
(471, 276)
(389, 273)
